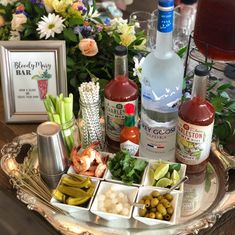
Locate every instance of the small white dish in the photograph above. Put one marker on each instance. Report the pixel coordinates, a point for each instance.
(130, 191)
(108, 175)
(103, 154)
(71, 208)
(146, 190)
(148, 181)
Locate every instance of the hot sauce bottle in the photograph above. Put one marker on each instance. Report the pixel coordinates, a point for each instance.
(195, 125)
(130, 134)
(118, 92)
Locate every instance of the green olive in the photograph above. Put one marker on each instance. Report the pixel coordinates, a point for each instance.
(170, 210)
(153, 209)
(146, 197)
(141, 201)
(165, 203)
(155, 193)
(158, 215)
(169, 197)
(154, 202)
(147, 203)
(142, 212)
(167, 217)
(152, 215)
(161, 209)
(160, 197)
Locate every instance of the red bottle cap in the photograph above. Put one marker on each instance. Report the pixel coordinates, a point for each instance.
(129, 108)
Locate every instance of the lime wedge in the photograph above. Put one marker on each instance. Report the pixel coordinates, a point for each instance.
(168, 175)
(164, 182)
(151, 176)
(161, 171)
(175, 177)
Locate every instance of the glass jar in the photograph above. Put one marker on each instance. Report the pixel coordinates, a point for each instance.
(91, 124)
(70, 134)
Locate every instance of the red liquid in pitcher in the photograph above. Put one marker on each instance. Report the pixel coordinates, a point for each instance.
(214, 32)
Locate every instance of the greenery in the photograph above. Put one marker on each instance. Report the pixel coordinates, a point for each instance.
(73, 21)
(126, 168)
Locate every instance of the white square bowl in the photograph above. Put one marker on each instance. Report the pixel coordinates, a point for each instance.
(130, 191)
(103, 154)
(182, 172)
(146, 190)
(108, 175)
(72, 208)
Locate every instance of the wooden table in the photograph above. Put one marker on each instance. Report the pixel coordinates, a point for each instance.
(16, 218)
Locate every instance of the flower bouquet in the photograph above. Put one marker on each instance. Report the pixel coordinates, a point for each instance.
(90, 38)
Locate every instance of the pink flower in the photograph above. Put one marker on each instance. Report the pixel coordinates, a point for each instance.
(88, 47)
(17, 22)
(2, 21)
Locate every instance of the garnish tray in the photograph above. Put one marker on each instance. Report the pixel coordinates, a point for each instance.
(210, 200)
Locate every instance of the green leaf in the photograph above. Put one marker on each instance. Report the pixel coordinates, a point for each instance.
(231, 105)
(28, 31)
(224, 87)
(182, 51)
(75, 21)
(217, 102)
(70, 35)
(70, 62)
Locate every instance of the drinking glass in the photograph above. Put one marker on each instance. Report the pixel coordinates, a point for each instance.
(180, 35)
(145, 22)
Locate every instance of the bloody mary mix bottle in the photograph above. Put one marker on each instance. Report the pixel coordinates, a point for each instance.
(130, 134)
(118, 92)
(195, 125)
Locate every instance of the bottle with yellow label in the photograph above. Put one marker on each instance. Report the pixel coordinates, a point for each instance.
(195, 125)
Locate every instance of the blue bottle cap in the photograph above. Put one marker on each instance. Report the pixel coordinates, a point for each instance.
(166, 3)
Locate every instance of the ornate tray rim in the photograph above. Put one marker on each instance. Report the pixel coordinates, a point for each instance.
(225, 201)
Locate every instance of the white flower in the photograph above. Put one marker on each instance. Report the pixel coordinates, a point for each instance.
(18, 21)
(5, 2)
(50, 25)
(15, 36)
(92, 13)
(137, 70)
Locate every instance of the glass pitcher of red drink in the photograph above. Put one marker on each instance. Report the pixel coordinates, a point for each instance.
(214, 32)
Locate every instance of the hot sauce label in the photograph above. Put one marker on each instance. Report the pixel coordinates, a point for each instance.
(115, 116)
(193, 142)
(131, 147)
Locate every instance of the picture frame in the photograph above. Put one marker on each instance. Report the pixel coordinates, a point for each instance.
(29, 70)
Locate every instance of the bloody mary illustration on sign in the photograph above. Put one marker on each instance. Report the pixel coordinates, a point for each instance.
(42, 80)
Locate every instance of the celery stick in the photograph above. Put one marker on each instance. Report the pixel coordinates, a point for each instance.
(56, 118)
(53, 100)
(68, 106)
(62, 111)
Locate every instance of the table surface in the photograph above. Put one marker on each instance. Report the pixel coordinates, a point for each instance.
(15, 218)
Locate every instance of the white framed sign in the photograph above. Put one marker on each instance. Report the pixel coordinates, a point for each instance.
(30, 70)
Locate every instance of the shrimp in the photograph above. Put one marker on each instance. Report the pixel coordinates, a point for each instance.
(100, 169)
(83, 161)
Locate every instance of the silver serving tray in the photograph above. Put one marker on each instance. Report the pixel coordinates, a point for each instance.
(203, 203)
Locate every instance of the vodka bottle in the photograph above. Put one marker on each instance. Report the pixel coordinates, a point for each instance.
(161, 91)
